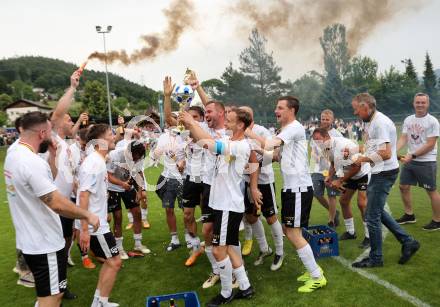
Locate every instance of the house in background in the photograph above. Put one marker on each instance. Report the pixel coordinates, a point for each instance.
(23, 106)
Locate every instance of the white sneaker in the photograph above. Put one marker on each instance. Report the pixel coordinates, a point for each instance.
(262, 255)
(108, 304)
(211, 281)
(26, 280)
(70, 261)
(16, 270)
(277, 262)
(142, 248)
(123, 254)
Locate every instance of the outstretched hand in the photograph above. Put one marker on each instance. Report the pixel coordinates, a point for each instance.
(168, 86)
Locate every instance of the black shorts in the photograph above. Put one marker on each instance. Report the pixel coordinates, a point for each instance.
(269, 207)
(207, 211)
(295, 207)
(114, 200)
(192, 192)
(226, 227)
(423, 174)
(67, 225)
(49, 272)
(169, 190)
(360, 184)
(104, 246)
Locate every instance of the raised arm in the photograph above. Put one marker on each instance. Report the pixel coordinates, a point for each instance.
(65, 101)
(195, 84)
(84, 117)
(168, 88)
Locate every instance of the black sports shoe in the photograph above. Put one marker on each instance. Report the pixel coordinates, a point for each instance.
(347, 236)
(244, 293)
(365, 243)
(408, 250)
(69, 295)
(337, 218)
(219, 300)
(406, 219)
(367, 263)
(433, 225)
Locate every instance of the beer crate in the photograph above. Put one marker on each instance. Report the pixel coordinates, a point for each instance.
(323, 240)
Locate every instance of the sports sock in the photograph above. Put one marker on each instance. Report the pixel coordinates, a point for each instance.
(137, 239)
(195, 242)
(119, 243)
(367, 234)
(349, 225)
(103, 299)
(144, 213)
(130, 217)
(208, 251)
(247, 230)
(242, 278)
(188, 237)
(258, 231)
(225, 269)
(308, 259)
(174, 238)
(277, 235)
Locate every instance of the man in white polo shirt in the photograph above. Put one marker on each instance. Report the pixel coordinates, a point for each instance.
(35, 204)
(420, 132)
(381, 140)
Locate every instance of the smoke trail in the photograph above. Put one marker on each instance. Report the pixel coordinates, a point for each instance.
(301, 22)
(179, 19)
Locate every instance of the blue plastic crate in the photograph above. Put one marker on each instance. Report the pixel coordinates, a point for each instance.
(324, 244)
(189, 298)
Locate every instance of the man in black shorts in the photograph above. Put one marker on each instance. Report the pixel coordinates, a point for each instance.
(350, 178)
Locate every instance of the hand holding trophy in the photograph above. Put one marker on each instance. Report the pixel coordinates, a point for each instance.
(183, 95)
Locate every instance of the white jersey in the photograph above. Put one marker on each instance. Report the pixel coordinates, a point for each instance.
(93, 178)
(13, 146)
(65, 168)
(418, 130)
(210, 157)
(194, 162)
(228, 180)
(318, 161)
(341, 152)
(294, 165)
(378, 131)
(28, 177)
(122, 144)
(172, 148)
(122, 166)
(266, 175)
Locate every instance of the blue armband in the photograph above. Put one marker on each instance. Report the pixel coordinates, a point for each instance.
(219, 147)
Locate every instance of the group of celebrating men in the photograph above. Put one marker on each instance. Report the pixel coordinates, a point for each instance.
(59, 191)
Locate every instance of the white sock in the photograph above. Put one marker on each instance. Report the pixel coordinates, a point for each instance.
(367, 234)
(258, 231)
(103, 299)
(188, 237)
(247, 230)
(208, 252)
(308, 259)
(174, 238)
(349, 225)
(70, 247)
(130, 217)
(237, 250)
(144, 213)
(225, 269)
(36, 304)
(195, 242)
(242, 278)
(137, 239)
(277, 235)
(119, 243)
(97, 293)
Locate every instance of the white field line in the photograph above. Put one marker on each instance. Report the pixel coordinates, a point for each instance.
(374, 278)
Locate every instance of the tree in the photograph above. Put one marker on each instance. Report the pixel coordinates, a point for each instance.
(361, 75)
(263, 73)
(307, 89)
(212, 86)
(5, 99)
(235, 87)
(21, 90)
(3, 118)
(94, 98)
(430, 81)
(410, 71)
(120, 103)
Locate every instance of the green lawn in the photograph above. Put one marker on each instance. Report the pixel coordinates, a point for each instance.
(163, 273)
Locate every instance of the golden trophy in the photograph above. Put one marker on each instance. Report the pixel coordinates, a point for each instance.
(183, 95)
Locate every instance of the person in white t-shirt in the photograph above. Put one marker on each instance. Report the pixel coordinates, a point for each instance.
(35, 203)
(92, 196)
(348, 178)
(380, 143)
(420, 132)
(297, 192)
(227, 198)
(266, 185)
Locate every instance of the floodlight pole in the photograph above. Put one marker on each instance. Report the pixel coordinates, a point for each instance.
(104, 32)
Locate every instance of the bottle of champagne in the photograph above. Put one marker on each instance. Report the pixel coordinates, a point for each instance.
(172, 303)
(154, 303)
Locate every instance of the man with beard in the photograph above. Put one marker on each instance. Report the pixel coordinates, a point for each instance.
(35, 204)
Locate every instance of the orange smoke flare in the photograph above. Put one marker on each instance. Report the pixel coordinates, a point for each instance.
(81, 68)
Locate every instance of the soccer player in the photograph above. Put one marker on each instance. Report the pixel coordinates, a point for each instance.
(35, 204)
(266, 185)
(123, 165)
(420, 132)
(297, 192)
(321, 172)
(226, 199)
(92, 196)
(339, 151)
(381, 139)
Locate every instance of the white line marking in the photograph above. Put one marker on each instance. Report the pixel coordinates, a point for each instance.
(374, 278)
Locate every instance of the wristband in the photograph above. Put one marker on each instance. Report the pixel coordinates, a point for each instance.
(219, 147)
